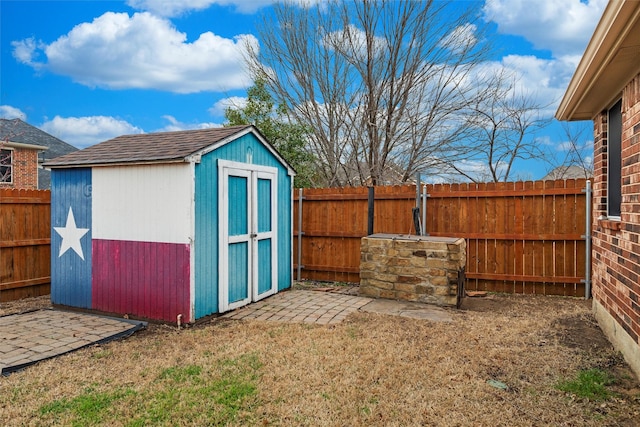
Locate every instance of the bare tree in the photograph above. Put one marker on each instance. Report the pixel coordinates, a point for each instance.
(383, 85)
(503, 128)
(577, 161)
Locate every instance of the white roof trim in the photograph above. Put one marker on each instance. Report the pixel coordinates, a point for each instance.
(12, 144)
(195, 157)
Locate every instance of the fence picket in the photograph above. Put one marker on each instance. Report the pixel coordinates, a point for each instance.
(25, 253)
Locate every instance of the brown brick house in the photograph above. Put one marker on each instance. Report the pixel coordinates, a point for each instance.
(22, 135)
(606, 89)
(19, 165)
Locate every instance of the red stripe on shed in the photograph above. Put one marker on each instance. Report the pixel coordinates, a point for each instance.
(144, 279)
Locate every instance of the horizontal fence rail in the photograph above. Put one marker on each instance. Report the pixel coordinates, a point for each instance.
(522, 237)
(25, 243)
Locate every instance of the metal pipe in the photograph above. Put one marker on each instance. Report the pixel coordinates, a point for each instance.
(370, 200)
(299, 233)
(417, 189)
(587, 238)
(424, 210)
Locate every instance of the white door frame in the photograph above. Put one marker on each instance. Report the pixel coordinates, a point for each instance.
(252, 172)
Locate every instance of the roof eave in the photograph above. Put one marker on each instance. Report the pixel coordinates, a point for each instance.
(617, 20)
(117, 163)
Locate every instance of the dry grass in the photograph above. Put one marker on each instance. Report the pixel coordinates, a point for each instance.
(23, 305)
(369, 370)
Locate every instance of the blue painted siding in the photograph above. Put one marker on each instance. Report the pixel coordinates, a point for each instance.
(71, 266)
(206, 219)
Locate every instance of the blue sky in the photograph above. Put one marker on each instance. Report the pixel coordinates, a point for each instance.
(87, 71)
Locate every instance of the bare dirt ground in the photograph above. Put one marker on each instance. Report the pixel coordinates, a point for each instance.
(371, 369)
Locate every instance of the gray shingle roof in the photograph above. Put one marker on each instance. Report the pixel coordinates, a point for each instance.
(149, 147)
(18, 131)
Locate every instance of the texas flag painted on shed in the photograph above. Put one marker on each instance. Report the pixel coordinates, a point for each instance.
(124, 250)
(171, 226)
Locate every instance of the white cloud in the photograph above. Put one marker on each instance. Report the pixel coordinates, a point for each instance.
(543, 80)
(85, 131)
(9, 112)
(355, 38)
(476, 169)
(179, 7)
(176, 125)
(220, 106)
(117, 51)
(561, 26)
(25, 51)
(461, 38)
(171, 8)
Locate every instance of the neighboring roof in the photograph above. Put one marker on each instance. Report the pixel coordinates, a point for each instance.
(567, 172)
(161, 147)
(16, 130)
(608, 64)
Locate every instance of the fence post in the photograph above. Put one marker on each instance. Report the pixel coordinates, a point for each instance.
(299, 233)
(587, 238)
(370, 207)
(424, 210)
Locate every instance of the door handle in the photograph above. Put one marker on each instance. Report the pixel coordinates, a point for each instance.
(253, 235)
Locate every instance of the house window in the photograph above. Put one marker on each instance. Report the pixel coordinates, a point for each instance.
(6, 166)
(614, 157)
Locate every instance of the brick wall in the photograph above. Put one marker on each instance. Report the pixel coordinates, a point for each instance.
(25, 170)
(616, 244)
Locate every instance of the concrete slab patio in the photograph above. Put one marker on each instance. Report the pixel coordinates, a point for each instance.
(30, 337)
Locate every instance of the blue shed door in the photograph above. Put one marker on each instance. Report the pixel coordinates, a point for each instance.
(248, 246)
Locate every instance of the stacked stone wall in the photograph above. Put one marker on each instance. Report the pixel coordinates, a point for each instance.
(412, 268)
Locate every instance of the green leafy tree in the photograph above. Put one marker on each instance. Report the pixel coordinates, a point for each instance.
(288, 137)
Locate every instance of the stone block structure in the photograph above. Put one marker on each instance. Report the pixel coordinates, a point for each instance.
(412, 268)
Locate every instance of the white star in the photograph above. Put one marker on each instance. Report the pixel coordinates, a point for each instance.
(71, 236)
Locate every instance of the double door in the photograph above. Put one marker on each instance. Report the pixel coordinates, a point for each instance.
(248, 233)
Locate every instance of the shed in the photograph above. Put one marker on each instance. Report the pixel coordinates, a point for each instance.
(172, 225)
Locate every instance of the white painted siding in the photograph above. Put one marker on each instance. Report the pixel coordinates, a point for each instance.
(147, 203)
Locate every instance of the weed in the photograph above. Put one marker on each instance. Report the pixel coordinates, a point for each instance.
(352, 332)
(188, 394)
(180, 373)
(88, 408)
(591, 384)
(101, 354)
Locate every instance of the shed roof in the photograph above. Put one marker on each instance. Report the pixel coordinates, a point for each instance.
(608, 63)
(161, 147)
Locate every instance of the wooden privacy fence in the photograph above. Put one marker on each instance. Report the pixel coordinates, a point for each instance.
(522, 237)
(25, 260)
